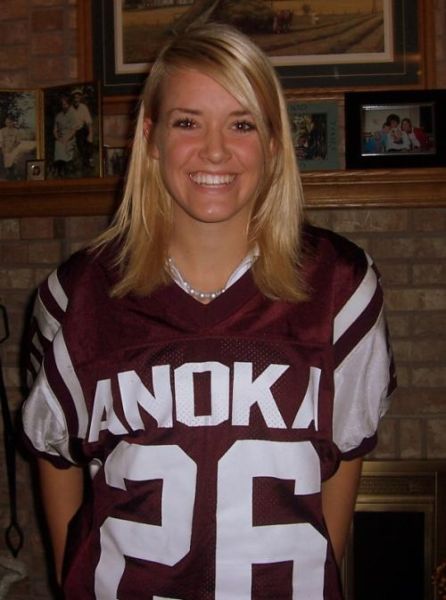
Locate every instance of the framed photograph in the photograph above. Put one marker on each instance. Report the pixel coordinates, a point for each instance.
(318, 44)
(20, 132)
(316, 133)
(395, 129)
(115, 161)
(72, 131)
(35, 170)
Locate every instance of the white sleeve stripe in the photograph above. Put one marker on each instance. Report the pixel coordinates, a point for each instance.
(57, 291)
(66, 371)
(355, 305)
(43, 385)
(43, 420)
(360, 402)
(35, 363)
(37, 346)
(48, 325)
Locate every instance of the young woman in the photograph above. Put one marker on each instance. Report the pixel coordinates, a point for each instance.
(218, 367)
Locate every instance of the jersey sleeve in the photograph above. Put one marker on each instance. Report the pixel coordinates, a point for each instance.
(364, 375)
(47, 413)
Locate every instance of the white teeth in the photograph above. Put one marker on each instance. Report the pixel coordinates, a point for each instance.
(209, 179)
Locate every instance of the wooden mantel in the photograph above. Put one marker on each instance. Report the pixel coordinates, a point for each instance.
(328, 189)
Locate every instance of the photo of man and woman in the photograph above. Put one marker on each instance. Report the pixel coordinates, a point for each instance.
(398, 129)
(72, 131)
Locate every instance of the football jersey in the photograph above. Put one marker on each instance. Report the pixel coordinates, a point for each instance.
(207, 428)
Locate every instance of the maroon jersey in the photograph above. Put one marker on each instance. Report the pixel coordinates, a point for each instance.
(207, 429)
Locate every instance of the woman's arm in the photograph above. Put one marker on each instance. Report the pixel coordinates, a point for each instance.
(61, 491)
(338, 503)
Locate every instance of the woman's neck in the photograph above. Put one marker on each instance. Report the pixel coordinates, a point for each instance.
(207, 257)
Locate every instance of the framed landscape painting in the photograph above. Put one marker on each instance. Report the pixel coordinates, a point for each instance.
(323, 43)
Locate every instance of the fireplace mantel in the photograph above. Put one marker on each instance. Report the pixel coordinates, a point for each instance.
(327, 189)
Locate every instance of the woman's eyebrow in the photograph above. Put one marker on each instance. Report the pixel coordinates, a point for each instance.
(181, 109)
(193, 111)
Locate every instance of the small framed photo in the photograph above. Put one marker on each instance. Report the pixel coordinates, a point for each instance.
(395, 129)
(35, 170)
(72, 131)
(316, 133)
(20, 132)
(115, 161)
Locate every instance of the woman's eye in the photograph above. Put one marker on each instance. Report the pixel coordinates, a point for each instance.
(244, 126)
(185, 123)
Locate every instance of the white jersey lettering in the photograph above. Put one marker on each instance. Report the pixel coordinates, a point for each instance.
(135, 395)
(165, 544)
(247, 392)
(103, 416)
(185, 393)
(308, 410)
(240, 544)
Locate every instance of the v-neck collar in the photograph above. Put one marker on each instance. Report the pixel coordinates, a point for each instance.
(191, 314)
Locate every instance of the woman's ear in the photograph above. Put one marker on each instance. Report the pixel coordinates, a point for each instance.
(149, 134)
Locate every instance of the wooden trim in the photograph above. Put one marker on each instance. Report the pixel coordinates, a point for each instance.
(329, 189)
(427, 42)
(57, 198)
(84, 41)
(380, 188)
(120, 105)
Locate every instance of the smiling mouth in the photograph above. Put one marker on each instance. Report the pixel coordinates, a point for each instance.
(211, 179)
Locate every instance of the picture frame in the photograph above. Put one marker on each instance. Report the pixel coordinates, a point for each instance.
(35, 170)
(316, 128)
(115, 161)
(72, 131)
(401, 60)
(395, 129)
(20, 132)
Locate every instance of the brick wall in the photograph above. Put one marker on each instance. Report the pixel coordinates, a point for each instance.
(38, 43)
(38, 48)
(29, 249)
(409, 247)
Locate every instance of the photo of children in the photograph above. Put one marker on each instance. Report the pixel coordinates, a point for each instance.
(398, 129)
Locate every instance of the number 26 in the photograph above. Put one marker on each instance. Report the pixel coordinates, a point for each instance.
(239, 543)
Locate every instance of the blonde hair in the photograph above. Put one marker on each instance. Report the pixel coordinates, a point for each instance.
(143, 220)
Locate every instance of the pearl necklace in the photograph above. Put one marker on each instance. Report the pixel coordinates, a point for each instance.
(200, 295)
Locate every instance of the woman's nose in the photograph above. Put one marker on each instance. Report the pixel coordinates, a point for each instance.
(215, 147)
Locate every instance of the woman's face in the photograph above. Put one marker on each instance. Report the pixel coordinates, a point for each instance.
(209, 150)
(406, 126)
